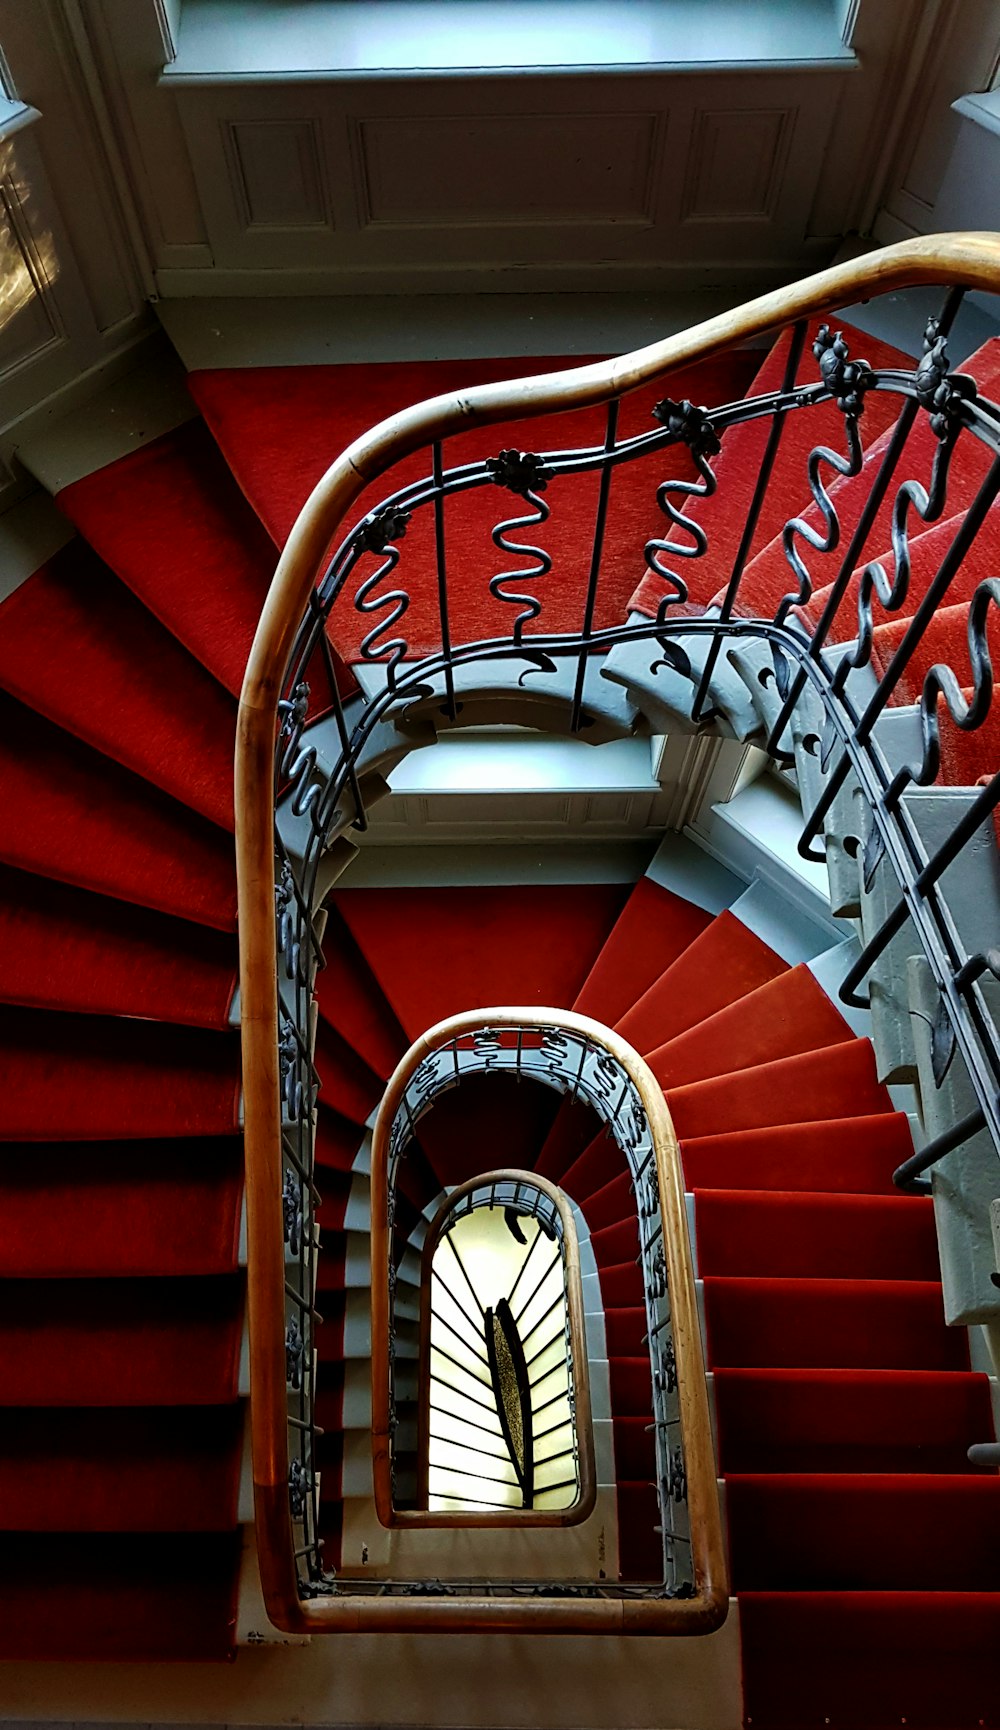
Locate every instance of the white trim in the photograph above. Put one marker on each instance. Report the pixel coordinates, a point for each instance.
(271, 40)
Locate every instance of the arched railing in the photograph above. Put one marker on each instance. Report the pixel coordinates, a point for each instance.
(300, 742)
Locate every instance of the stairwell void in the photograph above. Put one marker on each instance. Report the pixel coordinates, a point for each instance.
(782, 544)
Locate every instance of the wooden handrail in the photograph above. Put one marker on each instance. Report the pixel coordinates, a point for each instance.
(583, 1505)
(969, 261)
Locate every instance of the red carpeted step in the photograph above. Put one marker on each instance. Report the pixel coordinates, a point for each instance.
(814, 1087)
(102, 1342)
(854, 1532)
(436, 952)
(329, 1407)
(140, 1469)
(621, 1285)
(332, 1267)
(635, 1449)
(797, 1236)
(614, 1244)
(721, 965)
(172, 1599)
(870, 1660)
(569, 1139)
(788, 1015)
(600, 1163)
(640, 1546)
(281, 427)
(149, 1207)
(76, 646)
(856, 1156)
(945, 642)
(768, 577)
(351, 1001)
(91, 1077)
(129, 841)
(653, 929)
(969, 759)
(171, 523)
(488, 1123)
(849, 1420)
(62, 948)
(612, 1203)
(346, 1084)
(630, 1386)
(830, 1324)
(736, 468)
(337, 1142)
(335, 1193)
(926, 551)
(625, 1330)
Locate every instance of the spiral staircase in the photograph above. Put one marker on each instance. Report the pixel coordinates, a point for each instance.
(862, 1541)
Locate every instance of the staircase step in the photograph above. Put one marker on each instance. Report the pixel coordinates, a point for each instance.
(79, 648)
(490, 1122)
(151, 1208)
(722, 964)
(129, 841)
(171, 511)
(346, 1084)
(855, 1532)
(766, 579)
(856, 1156)
(352, 1002)
(106, 1342)
(615, 1201)
(602, 1162)
(926, 550)
(640, 1546)
(625, 1329)
(830, 1324)
(69, 1077)
(722, 516)
(785, 1017)
(631, 1387)
(821, 1420)
(533, 945)
(635, 1450)
(153, 1469)
(571, 1138)
(279, 425)
(62, 948)
(838, 1080)
(621, 1284)
(653, 929)
(183, 1608)
(870, 1658)
(797, 1236)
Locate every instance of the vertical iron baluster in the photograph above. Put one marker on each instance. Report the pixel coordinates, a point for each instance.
(442, 578)
(753, 514)
(873, 503)
(597, 549)
(948, 569)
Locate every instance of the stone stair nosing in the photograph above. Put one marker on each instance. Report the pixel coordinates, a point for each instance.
(514, 691)
(966, 1182)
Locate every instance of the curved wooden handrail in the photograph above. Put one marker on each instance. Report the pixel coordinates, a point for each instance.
(583, 1506)
(969, 261)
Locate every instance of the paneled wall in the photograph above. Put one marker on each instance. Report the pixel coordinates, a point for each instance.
(188, 147)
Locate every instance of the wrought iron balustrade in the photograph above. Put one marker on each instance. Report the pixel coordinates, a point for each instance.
(822, 656)
(502, 1388)
(585, 1062)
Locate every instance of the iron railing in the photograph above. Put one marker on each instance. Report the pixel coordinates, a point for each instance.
(578, 1059)
(524, 1418)
(293, 673)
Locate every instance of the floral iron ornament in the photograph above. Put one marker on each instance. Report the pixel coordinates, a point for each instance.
(847, 380)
